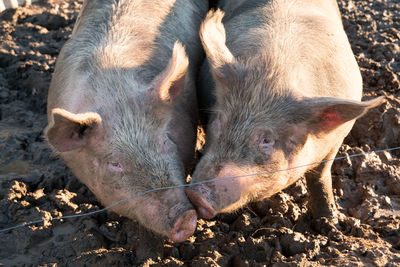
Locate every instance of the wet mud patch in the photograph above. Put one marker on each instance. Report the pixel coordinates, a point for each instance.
(34, 184)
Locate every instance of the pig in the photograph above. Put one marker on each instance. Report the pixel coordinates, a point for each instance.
(284, 90)
(122, 107)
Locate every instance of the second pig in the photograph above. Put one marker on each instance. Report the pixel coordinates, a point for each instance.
(287, 90)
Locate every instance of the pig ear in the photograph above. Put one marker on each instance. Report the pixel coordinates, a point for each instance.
(68, 131)
(212, 34)
(329, 113)
(169, 84)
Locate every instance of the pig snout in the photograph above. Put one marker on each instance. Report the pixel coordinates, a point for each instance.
(181, 215)
(168, 213)
(203, 207)
(184, 226)
(224, 195)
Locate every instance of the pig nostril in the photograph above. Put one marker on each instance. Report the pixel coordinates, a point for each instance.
(205, 213)
(184, 226)
(204, 209)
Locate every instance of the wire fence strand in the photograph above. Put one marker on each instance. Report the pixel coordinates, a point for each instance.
(189, 185)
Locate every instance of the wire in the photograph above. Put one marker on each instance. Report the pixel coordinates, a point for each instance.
(189, 185)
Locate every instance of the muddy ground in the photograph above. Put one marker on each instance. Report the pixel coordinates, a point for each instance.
(275, 232)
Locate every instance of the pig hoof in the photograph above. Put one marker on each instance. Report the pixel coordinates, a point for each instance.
(324, 225)
(204, 209)
(184, 226)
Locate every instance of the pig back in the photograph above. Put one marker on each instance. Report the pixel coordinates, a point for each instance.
(304, 41)
(134, 35)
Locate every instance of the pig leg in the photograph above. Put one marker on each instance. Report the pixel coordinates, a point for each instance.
(319, 182)
(151, 245)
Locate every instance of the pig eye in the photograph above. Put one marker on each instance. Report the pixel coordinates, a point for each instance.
(115, 166)
(266, 143)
